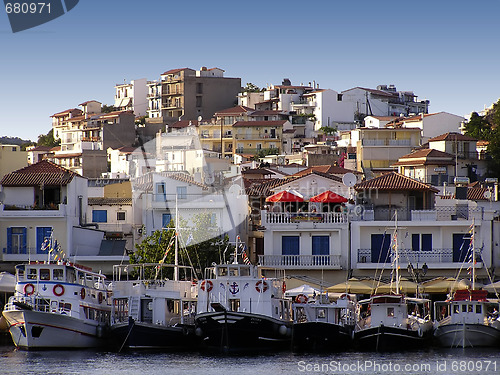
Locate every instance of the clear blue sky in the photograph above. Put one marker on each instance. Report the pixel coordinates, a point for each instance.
(444, 51)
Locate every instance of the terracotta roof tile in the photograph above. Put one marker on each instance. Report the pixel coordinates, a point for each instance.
(268, 112)
(239, 109)
(393, 182)
(58, 114)
(452, 137)
(428, 153)
(173, 71)
(42, 173)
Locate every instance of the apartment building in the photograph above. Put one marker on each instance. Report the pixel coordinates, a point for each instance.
(132, 96)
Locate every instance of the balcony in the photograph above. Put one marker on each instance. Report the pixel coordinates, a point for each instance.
(48, 210)
(300, 261)
(270, 151)
(451, 213)
(270, 218)
(386, 142)
(23, 255)
(256, 136)
(438, 258)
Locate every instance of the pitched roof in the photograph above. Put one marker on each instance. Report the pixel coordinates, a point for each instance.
(393, 182)
(183, 124)
(259, 123)
(269, 112)
(384, 118)
(42, 173)
(328, 169)
(62, 113)
(451, 136)
(89, 101)
(373, 91)
(427, 153)
(239, 109)
(473, 194)
(111, 201)
(41, 148)
(173, 71)
(116, 114)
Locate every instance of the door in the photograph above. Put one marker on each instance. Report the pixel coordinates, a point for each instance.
(461, 244)
(380, 248)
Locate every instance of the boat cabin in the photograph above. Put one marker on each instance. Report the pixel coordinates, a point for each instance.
(470, 307)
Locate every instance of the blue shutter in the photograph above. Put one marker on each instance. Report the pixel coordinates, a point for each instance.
(415, 242)
(461, 244)
(321, 245)
(426, 242)
(41, 234)
(99, 216)
(9, 240)
(380, 248)
(166, 219)
(290, 245)
(25, 235)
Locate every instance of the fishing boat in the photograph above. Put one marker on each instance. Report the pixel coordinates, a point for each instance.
(320, 325)
(150, 310)
(238, 310)
(58, 305)
(468, 318)
(393, 321)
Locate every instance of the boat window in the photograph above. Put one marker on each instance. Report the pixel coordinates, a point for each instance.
(234, 304)
(390, 311)
(89, 281)
(44, 274)
(81, 278)
(300, 315)
(20, 273)
(64, 307)
(71, 275)
(456, 309)
(57, 274)
(320, 313)
(478, 309)
(470, 308)
(233, 271)
(222, 271)
(245, 271)
(31, 274)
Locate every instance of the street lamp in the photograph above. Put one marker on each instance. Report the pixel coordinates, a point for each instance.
(418, 272)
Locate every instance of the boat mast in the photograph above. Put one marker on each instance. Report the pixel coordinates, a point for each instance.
(235, 261)
(473, 255)
(176, 234)
(396, 253)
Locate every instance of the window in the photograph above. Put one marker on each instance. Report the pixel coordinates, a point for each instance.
(421, 242)
(181, 192)
(165, 220)
(320, 245)
(390, 312)
(42, 234)
(290, 245)
(160, 188)
(16, 240)
(99, 216)
(199, 88)
(57, 274)
(44, 274)
(380, 244)
(120, 216)
(198, 101)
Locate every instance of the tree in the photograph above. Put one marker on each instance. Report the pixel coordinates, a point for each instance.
(199, 245)
(250, 87)
(108, 108)
(48, 139)
(478, 127)
(328, 130)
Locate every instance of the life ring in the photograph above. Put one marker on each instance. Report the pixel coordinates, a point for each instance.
(29, 289)
(346, 296)
(58, 290)
(100, 297)
(261, 286)
(301, 298)
(82, 293)
(207, 285)
(284, 287)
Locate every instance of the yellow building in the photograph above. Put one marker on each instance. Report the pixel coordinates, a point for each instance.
(12, 158)
(251, 137)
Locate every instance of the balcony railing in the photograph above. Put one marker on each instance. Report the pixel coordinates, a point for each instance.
(294, 218)
(300, 261)
(386, 142)
(451, 213)
(17, 210)
(407, 256)
(256, 136)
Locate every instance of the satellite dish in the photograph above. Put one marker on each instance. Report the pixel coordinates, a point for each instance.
(349, 179)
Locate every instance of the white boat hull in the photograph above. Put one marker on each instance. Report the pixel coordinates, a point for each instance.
(38, 330)
(465, 335)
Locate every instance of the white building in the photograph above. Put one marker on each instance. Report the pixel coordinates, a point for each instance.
(44, 198)
(132, 96)
(154, 99)
(433, 124)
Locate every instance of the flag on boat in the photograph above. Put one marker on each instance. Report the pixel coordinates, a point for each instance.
(189, 239)
(244, 255)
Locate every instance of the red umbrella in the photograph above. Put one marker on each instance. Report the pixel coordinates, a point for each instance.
(285, 196)
(328, 197)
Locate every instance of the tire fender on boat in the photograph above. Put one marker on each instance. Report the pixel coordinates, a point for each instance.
(283, 330)
(82, 293)
(29, 289)
(301, 298)
(58, 290)
(261, 286)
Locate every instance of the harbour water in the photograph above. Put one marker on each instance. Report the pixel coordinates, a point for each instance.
(432, 361)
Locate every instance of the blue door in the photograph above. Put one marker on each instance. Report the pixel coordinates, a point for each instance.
(380, 248)
(461, 243)
(41, 234)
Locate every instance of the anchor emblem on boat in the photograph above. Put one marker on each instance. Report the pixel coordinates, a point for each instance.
(233, 288)
(44, 287)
